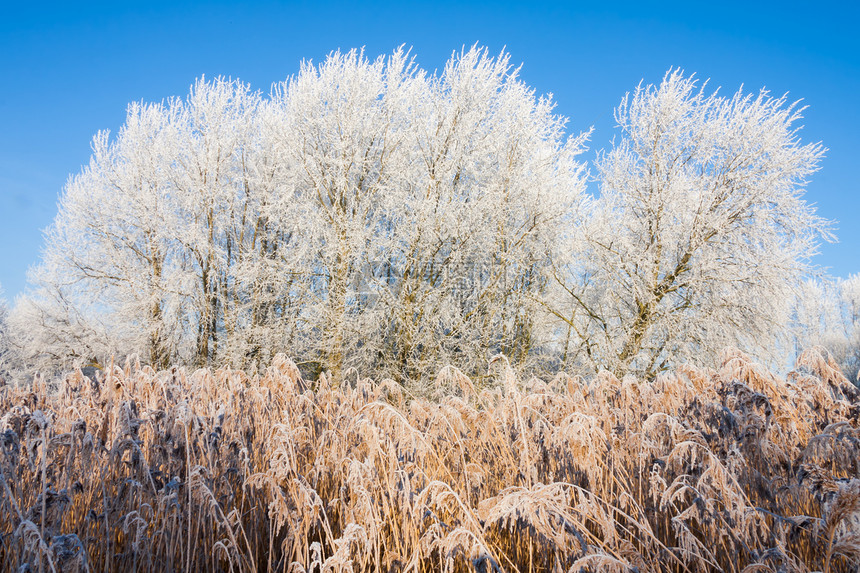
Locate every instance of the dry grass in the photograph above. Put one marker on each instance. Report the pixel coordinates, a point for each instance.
(701, 470)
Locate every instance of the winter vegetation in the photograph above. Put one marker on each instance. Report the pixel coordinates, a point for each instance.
(559, 377)
(828, 314)
(732, 469)
(367, 214)
(7, 349)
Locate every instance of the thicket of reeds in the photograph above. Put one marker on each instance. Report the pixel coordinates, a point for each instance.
(731, 469)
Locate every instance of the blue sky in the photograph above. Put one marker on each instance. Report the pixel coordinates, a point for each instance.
(68, 70)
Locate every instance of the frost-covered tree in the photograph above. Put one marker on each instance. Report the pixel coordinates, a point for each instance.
(344, 146)
(368, 214)
(492, 178)
(427, 205)
(848, 353)
(700, 233)
(6, 346)
(827, 314)
(214, 205)
(365, 215)
(105, 282)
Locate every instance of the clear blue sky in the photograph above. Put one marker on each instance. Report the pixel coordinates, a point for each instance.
(69, 69)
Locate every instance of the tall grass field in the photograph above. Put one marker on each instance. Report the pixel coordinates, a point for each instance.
(733, 469)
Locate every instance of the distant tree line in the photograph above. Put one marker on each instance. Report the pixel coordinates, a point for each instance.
(828, 315)
(368, 214)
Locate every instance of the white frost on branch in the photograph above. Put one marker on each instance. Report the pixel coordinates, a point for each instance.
(370, 215)
(700, 234)
(366, 214)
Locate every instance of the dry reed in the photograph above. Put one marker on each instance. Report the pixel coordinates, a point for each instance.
(731, 469)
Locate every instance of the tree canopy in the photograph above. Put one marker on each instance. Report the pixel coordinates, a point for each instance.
(700, 236)
(370, 214)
